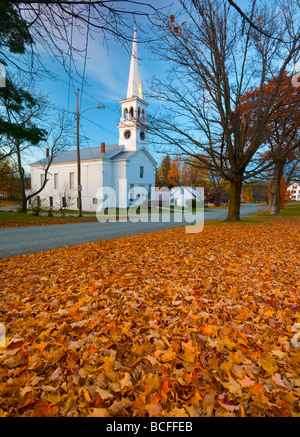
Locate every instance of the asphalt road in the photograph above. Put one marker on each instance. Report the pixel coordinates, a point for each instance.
(32, 239)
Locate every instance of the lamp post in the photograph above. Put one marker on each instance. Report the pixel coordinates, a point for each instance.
(79, 186)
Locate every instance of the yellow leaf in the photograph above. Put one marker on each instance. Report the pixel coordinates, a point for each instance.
(233, 386)
(153, 410)
(99, 412)
(126, 381)
(152, 360)
(167, 356)
(246, 382)
(268, 367)
(183, 309)
(25, 390)
(176, 412)
(85, 393)
(209, 330)
(277, 379)
(105, 394)
(226, 366)
(228, 343)
(268, 313)
(189, 352)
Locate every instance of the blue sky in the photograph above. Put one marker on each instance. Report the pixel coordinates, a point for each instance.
(106, 77)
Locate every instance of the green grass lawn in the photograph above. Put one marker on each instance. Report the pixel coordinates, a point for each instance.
(292, 210)
(11, 219)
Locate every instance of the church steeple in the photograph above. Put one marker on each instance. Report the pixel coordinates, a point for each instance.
(133, 128)
(134, 82)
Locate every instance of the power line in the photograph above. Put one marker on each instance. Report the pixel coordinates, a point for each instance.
(86, 51)
(70, 48)
(101, 127)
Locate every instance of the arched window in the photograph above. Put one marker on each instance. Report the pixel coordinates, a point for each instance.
(143, 114)
(125, 113)
(131, 113)
(139, 113)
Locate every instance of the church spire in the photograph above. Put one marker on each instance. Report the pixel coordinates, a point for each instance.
(134, 83)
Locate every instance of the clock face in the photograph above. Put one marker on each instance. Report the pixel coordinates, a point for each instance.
(127, 134)
(142, 135)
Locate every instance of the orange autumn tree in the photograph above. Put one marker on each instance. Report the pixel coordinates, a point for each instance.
(281, 131)
(193, 173)
(162, 173)
(285, 194)
(175, 172)
(247, 195)
(196, 174)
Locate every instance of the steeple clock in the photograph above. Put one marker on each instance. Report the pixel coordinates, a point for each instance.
(133, 128)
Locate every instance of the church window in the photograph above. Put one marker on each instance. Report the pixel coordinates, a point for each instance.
(131, 192)
(139, 113)
(94, 201)
(55, 181)
(143, 114)
(141, 172)
(125, 113)
(71, 180)
(131, 112)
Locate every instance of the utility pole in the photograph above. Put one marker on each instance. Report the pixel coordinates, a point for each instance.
(79, 187)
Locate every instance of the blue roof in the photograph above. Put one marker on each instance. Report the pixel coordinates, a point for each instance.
(122, 155)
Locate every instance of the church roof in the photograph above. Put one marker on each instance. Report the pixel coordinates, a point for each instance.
(85, 154)
(123, 155)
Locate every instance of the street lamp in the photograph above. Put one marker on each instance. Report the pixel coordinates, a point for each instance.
(79, 187)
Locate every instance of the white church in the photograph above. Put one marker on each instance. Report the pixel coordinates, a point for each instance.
(120, 166)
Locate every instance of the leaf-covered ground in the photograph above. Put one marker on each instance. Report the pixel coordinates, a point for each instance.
(162, 324)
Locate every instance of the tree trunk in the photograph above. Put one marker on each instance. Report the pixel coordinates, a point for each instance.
(22, 182)
(217, 198)
(275, 198)
(234, 201)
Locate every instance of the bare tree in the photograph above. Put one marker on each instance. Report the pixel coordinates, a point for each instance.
(66, 199)
(250, 20)
(63, 28)
(216, 57)
(23, 128)
(57, 141)
(292, 169)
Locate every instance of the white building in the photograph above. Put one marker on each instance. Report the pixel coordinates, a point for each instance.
(119, 166)
(183, 196)
(295, 191)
